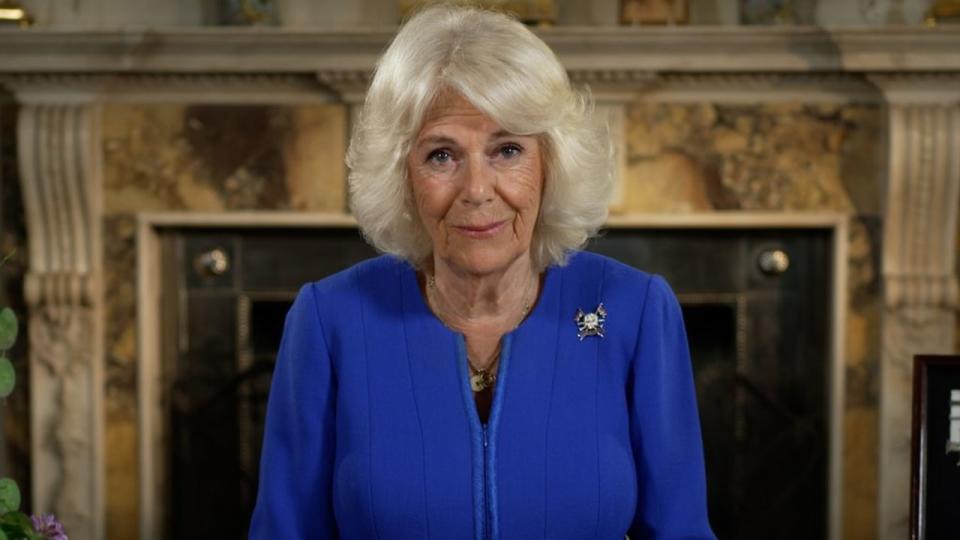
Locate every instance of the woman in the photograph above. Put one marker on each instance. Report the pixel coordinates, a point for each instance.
(484, 379)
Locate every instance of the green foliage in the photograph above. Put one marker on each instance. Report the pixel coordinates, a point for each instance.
(14, 525)
(17, 526)
(8, 377)
(8, 328)
(9, 496)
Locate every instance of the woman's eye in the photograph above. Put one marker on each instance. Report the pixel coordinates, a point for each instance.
(439, 156)
(510, 150)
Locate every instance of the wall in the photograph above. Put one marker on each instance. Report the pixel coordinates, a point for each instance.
(119, 13)
(200, 158)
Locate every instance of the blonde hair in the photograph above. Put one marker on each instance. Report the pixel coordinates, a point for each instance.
(511, 75)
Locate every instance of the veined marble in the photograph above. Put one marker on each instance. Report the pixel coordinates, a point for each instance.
(194, 158)
(783, 157)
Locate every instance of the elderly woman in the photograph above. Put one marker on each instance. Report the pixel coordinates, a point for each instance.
(483, 379)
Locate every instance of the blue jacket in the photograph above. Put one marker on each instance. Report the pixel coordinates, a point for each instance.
(372, 431)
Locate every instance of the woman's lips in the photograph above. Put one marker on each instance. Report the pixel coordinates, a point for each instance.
(481, 231)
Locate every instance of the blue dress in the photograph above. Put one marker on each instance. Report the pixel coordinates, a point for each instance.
(372, 430)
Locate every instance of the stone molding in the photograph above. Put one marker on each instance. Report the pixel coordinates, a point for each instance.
(59, 159)
(931, 87)
(216, 88)
(349, 86)
(919, 274)
(615, 48)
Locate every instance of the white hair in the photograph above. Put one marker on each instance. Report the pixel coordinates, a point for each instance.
(511, 75)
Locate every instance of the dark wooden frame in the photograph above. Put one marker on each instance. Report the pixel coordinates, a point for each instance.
(919, 436)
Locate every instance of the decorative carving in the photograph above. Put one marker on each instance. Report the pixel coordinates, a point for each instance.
(920, 286)
(174, 87)
(636, 78)
(351, 84)
(62, 352)
(59, 162)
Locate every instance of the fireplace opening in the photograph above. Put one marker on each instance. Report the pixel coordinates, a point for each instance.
(756, 303)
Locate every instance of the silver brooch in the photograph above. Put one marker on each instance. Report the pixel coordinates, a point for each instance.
(591, 324)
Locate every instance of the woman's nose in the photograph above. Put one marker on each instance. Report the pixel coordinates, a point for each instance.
(478, 185)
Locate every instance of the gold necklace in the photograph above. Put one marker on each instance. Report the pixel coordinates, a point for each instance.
(481, 379)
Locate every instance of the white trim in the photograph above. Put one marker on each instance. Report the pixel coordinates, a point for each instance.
(837, 399)
(148, 380)
(263, 219)
(730, 219)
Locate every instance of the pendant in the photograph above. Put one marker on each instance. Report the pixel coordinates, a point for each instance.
(481, 380)
(590, 324)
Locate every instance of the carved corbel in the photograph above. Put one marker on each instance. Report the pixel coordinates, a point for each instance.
(919, 274)
(58, 144)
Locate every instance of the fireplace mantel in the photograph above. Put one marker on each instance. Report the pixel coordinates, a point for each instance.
(688, 49)
(60, 78)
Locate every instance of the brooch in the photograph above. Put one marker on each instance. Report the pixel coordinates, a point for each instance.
(591, 324)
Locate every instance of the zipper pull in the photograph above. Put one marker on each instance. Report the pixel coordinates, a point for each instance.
(484, 436)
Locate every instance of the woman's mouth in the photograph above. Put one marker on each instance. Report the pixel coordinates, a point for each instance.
(481, 231)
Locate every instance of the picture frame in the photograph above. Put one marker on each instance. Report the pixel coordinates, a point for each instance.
(935, 448)
(654, 12)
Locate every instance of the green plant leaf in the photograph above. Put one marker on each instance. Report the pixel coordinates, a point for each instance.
(9, 496)
(3, 535)
(8, 328)
(8, 377)
(17, 526)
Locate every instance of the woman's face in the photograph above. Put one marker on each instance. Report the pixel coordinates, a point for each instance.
(477, 187)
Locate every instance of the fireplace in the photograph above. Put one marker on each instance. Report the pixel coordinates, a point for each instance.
(761, 335)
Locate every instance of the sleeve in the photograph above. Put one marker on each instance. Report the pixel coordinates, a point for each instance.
(295, 500)
(665, 426)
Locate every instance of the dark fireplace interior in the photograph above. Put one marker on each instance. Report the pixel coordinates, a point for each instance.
(756, 304)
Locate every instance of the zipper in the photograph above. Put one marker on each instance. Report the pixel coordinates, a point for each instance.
(485, 514)
(486, 496)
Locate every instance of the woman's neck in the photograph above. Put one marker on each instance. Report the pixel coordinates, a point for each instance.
(471, 302)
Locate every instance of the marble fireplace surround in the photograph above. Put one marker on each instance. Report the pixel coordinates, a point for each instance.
(60, 80)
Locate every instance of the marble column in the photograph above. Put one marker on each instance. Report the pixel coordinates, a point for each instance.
(58, 144)
(919, 280)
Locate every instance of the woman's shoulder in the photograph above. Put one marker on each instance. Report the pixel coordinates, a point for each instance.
(618, 278)
(382, 270)
(594, 266)
(336, 303)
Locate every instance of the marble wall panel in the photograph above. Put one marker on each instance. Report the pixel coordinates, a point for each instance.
(783, 157)
(174, 157)
(221, 158)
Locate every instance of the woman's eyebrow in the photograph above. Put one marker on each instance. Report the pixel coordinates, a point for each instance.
(436, 139)
(504, 134)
